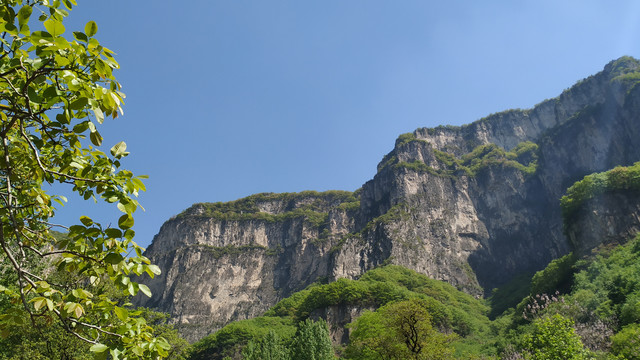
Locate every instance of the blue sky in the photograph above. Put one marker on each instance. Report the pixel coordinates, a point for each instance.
(230, 98)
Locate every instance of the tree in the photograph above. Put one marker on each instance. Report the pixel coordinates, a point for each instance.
(54, 92)
(400, 330)
(626, 343)
(553, 338)
(268, 348)
(312, 341)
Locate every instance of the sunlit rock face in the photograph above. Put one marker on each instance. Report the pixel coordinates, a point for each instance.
(474, 206)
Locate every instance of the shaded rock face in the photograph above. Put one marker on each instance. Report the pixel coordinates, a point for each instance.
(337, 318)
(474, 206)
(610, 218)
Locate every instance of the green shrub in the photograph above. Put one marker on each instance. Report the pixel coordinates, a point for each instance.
(557, 276)
(626, 343)
(554, 338)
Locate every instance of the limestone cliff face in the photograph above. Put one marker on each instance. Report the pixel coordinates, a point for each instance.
(227, 262)
(472, 205)
(610, 218)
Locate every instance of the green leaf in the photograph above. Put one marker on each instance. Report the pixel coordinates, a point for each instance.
(91, 28)
(131, 287)
(121, 313)
(80, 36)
(49, 304)
(129, 234)
(155, 269)
(81, 127)
(98, 348)
(74, 309)
(113, 258)
(145, 289)
(138, 350)
(24, 14)
(79, 103)
(120, 149)
(86, 221)
(81, 294)
(139, 184)
(54, 27)
(98, 114)
(125, 222)
(38, 303)
(96, 138)
(113, 233)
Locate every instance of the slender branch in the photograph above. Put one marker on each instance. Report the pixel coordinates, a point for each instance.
(41, 166)
(57, 252)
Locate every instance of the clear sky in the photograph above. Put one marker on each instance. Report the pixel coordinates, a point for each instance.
(230, 98)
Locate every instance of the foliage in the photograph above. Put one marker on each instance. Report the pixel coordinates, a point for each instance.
(555, 277)
(49, 339)
(312, 341)
(405, 139)
(584, 320)
(625, 71)
(311, 206)
(610, 284)
(230, 340)
(617, 179)
(510, 294)
(554, 338)
(604, 295)
(159, 322)
(523, 157)
(270, 347)
(626, 343)
(449, 310)
(400, 330)
(54, 91)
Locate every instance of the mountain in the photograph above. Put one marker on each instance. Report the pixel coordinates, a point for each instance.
(475, 206)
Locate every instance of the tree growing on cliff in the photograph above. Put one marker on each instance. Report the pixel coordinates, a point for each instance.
(55, 89)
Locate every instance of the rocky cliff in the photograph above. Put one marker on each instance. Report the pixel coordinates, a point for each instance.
(472, 205)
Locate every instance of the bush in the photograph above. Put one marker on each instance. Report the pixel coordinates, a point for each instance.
(626, 343)
(553, 338)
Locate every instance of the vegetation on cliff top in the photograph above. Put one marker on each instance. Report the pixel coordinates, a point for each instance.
(617, 179)
(524, 157)
(313, 206)
(625, 71)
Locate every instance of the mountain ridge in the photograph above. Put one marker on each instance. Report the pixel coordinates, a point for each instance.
(473, 205)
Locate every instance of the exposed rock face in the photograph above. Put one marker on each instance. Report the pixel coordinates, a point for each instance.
(337, 318)
(610, 218)
(472, 205)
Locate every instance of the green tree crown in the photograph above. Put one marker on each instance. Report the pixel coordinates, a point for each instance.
(56, 88)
